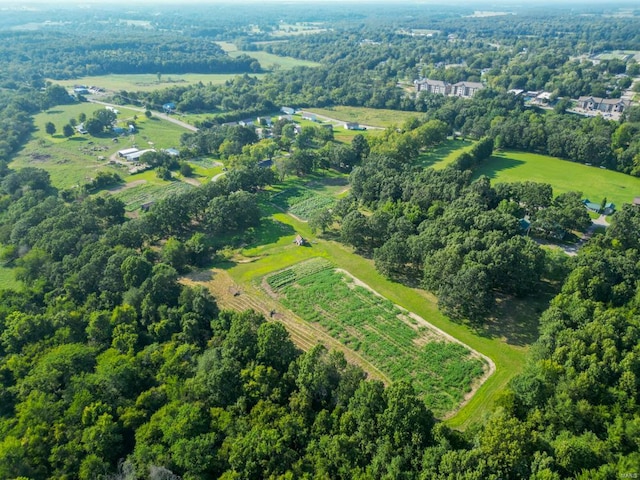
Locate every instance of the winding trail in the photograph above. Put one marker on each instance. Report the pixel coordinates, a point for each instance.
(163, 116)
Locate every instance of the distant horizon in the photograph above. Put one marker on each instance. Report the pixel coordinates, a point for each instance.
(469, 3)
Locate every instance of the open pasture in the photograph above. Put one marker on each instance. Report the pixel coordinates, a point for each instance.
(564, 176)
(75, 160)
(399, 344)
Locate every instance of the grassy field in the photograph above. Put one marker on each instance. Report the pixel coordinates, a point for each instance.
(444, 155)
(366, 116)
(204, 169)
(402, 346)
(594, 183)
(268, 61)
(148, 82)
(75, 160)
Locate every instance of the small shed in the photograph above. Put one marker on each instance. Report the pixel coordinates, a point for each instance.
(300, 241)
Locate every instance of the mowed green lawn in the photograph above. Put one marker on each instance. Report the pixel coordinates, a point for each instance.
(564, 176)
(445, 154)
(366, 116)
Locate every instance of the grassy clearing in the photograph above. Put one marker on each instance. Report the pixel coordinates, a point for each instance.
(148, 82)
(444, 155)
(268, 61)
(366, 116)
(8, 279)
(594, 183)
(204, 169)
(403, 347)
(75, 160)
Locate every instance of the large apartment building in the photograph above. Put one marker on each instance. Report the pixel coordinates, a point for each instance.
(460, 89)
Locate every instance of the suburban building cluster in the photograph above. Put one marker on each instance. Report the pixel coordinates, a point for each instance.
(460, 89)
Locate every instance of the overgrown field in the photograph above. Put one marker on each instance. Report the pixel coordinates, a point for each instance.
(133, 198)
(594, 183)
(402, 346)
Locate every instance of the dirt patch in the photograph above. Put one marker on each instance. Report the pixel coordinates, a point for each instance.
(191, 181)
(40, 157)
(126, 186)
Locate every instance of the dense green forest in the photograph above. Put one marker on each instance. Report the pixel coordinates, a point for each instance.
(111, 367)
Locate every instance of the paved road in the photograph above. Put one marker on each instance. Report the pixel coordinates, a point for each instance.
(164, 116)
(340, 123)
(572, 250)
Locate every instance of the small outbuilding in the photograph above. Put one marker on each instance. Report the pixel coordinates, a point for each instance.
(300, 241)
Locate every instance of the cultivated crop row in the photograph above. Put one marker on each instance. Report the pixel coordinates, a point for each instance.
(309, 206)
(442, 372)
(297, 271)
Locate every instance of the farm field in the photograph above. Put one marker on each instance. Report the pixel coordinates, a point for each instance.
(75, 160)
(366, 116)
(272, 249)
(134, 197)
(303, 198)
(594, 183)
(402, 346)
(148, 82)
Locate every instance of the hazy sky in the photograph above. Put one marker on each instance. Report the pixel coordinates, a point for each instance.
(483, 3)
